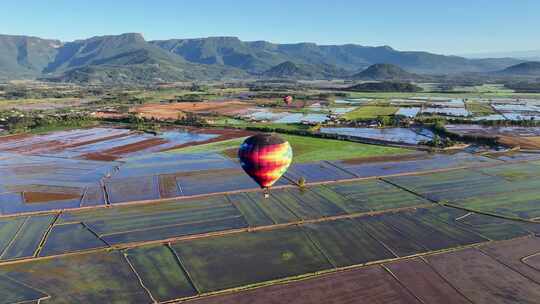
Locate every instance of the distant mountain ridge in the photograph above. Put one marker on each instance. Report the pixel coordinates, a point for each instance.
(530, 68)
(130, 58)
(293, 70)
(384, 71)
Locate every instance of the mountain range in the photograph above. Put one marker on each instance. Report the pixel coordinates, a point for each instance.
(129, 58)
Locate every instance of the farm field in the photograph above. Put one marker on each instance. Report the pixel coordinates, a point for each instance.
(333, 235)
(226, 262)
(500, 284)
(439, 227)
(385, 224)
(430, 279)
(427, 285)
(308, 149)
(370, 112)
(89, 229)
(371, 283)
(161, 272)
(101, 277)
(507, 191)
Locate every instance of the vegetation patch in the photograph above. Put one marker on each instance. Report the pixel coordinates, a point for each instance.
(370, 112)
(161, 272)
(249, 258)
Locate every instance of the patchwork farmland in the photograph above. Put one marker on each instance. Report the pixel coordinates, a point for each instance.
(167, 226)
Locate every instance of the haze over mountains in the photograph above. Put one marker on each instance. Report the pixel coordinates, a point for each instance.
(130, 58)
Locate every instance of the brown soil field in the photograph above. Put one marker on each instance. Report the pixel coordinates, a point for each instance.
(371, 285)
(134, 147)
(519, 255)
(43, 197)
(173, 110)
(533, 261)
(13, 137)
(426, 284)
(100, 157)
(484, 280)
(532, 142)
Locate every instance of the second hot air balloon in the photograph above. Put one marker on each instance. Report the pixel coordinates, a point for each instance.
(265, 157)
(288, 99)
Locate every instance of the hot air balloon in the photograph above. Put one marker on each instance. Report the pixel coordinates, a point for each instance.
(265, 157)
(287, 99)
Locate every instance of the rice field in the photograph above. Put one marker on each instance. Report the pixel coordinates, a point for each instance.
(429, 235)
(229, 261)
(509, 190)
(94, 277)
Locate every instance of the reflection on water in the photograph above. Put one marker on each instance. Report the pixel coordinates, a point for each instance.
(399, 135)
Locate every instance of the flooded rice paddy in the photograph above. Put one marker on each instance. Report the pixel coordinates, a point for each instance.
(397, 135)
(54, 171)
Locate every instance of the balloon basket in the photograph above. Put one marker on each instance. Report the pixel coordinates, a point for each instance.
(266, 193)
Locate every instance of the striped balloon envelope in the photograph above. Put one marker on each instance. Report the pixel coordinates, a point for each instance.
(265, 157)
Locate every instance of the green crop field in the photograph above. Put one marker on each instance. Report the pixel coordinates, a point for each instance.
(102, 277)
(273, 208)
(69, 238)
(479, 108)
(307, 204)
(249, 258)
(373, 195)
(370, 112)
(27, 239)
(395, 240)
(493, 228)
(430, 236)
(345, 243)
(8, 229)
(253, 213)
(14, 292)
(159, 221)
(507, 190)
(161, 272)
(305, 149)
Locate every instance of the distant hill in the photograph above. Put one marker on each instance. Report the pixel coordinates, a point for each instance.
(126, 58)
(24, 56)
(531, 55)
(290, 69)
(383, 71)
(385, 86)
(531, 68)
(260, 56)
(129, 57)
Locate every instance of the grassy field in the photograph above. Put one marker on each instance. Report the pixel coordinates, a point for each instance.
(305, 149)
(370, 112)
(479, 108)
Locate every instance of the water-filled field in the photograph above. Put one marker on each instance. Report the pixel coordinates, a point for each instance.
(397, 135)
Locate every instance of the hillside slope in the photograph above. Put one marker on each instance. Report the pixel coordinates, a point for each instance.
(23, 56)
(531, 68)
(383, 71)
(290, 69)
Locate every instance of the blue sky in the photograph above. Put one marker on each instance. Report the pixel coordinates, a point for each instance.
(449, 27)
